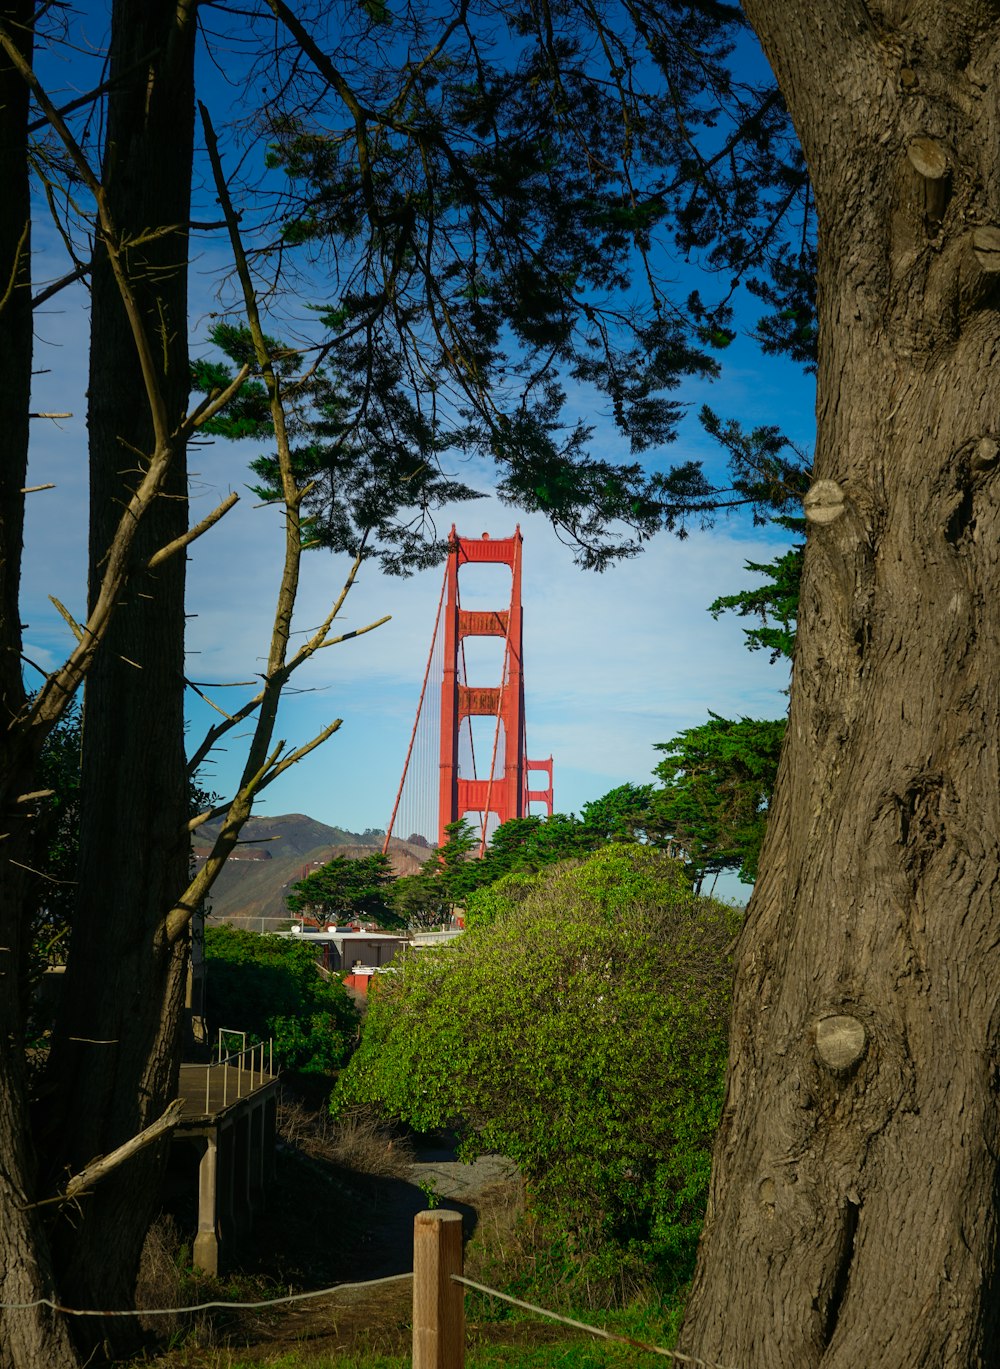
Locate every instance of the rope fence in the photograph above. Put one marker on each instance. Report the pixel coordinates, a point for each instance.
(438, 1301)
(676, 1355)
(199, 1306)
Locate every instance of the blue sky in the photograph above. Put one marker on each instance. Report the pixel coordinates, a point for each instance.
(613, 663)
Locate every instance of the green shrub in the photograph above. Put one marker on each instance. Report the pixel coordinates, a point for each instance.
(269, 986)
(579, 1027)
(484, 906)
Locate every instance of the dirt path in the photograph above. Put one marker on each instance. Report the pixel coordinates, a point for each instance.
(361, 1230)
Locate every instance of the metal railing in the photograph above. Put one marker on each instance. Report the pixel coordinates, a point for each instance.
(247, 1062)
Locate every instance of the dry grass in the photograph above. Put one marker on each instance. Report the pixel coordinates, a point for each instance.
(357, 1141)
(505, 1234)
(160, 1281)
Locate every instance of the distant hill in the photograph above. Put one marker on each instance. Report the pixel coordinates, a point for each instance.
(276, 852)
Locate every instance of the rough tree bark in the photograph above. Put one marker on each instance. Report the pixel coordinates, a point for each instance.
(853, 1211)
(114, 1057)
(33, 1339)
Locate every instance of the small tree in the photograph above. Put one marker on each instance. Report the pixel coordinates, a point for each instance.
(444, 880)
(422, 900)
(348, 888)
(620, 815)
(717, 784)
(529, 844)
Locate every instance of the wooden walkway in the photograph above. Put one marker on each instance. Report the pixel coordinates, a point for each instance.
(230, 1117)
(208, 1090)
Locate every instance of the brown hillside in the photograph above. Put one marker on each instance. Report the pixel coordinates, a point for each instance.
(276, 852)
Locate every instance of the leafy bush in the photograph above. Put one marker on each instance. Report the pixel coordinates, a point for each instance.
(269, 986)
(579, 1027)
(484, 906)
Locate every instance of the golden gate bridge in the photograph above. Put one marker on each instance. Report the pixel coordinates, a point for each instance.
(444, 778)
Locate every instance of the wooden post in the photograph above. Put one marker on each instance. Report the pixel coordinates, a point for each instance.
(438, 1302)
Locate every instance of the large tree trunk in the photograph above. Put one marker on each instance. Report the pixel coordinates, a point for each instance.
(34, 1338)
(115, 1054)
(853, 1211)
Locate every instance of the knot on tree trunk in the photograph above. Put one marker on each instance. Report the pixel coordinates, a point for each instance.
(823, 502)
(840, 1042)
(986, 246)
(985, 454)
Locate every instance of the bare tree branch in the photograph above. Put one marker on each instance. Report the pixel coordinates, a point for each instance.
(296, 756)
(104, 1164)
(83, 269)
(194, 533)
(15, 269)
(67, 617)
(260, 767)
(212, 403)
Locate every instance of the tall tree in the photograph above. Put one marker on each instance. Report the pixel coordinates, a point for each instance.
(134, 807)
(853, 1211)
(347, 887)
(481, 198)
(26, 1271)
(125, 970)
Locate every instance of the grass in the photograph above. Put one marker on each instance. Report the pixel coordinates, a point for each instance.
(330, 1174)
(519, 1342)
(558, 1354)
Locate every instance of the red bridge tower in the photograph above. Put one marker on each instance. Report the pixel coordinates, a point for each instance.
(463, 782)
(505, 792)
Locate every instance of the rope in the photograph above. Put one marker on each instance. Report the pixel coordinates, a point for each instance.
(198, 1306)
(592, 1330)
(676, 1355)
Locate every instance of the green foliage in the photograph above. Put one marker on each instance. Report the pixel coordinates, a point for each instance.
(358, 440)
(347, 888)
(775, 602)
(580, 1028)
(421, 901)
(767, 477)
(457, 876)
(531, 843)
(269, 986)
(470, 209)
(55, 833)
(717, 784)
(790, 327)
(427, 899)
(620, 815)
(501, 898)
